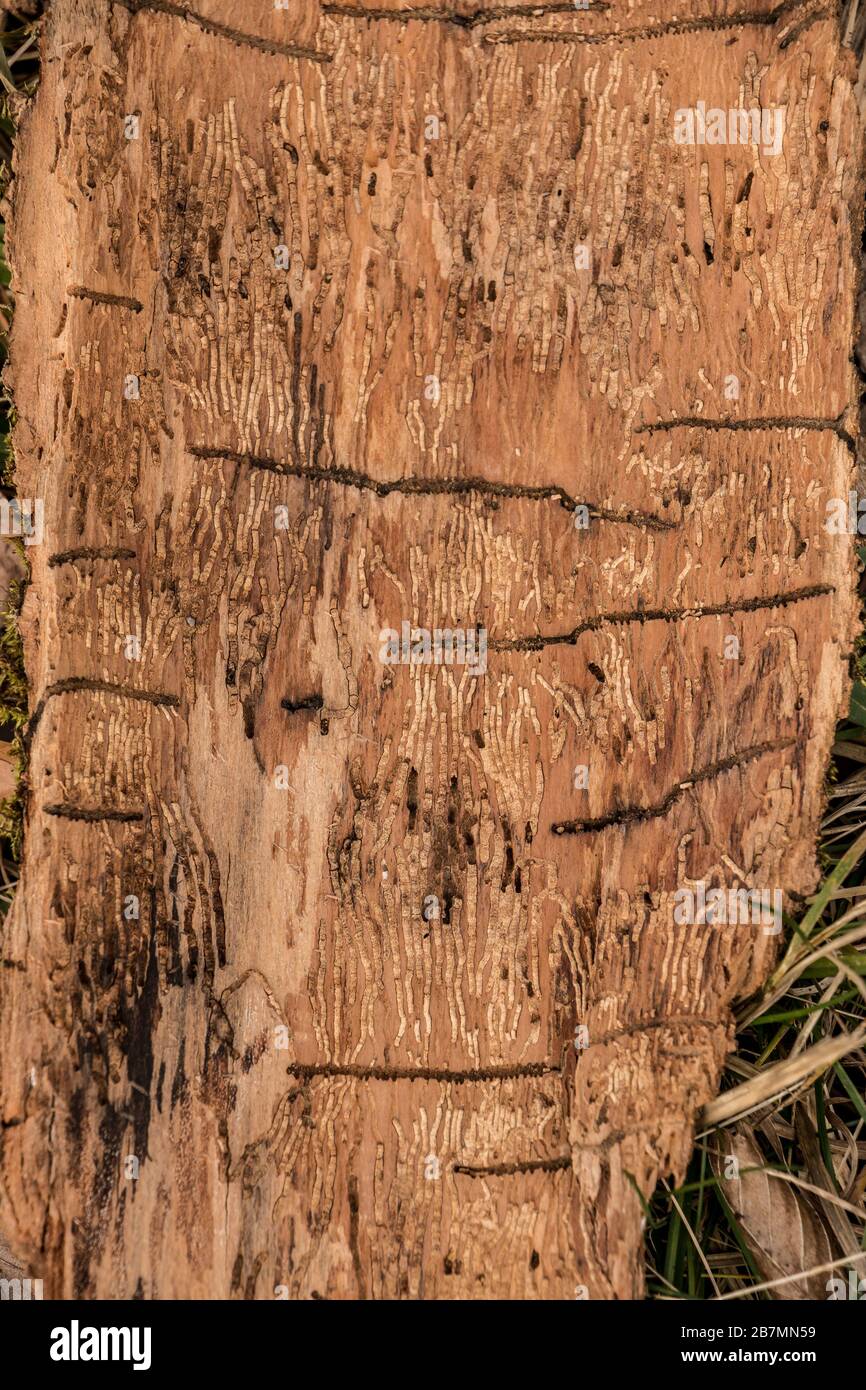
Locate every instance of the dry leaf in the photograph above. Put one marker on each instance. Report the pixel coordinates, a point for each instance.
(10, 1267)
(783, 1233)
(8, 775)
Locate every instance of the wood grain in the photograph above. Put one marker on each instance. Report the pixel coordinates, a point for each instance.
(375, 905)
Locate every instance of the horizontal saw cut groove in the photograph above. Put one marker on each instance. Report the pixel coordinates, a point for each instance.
(433, 14)
(90, 552)
(787, 422)
(359, 1072)
(673, 28)
(224, 31)
(71, 685)
(121, 301)
(651, 1025)
(507, 1170)
(628, 815)
(438, 487)
(659, 615)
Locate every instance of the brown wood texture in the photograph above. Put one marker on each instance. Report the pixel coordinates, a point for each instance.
(338, 1051)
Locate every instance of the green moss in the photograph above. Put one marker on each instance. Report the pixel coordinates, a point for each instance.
(19, 70)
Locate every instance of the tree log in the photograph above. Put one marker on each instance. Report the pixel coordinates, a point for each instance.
(350, 961)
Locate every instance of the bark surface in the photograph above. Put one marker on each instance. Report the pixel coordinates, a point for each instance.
(293, 989)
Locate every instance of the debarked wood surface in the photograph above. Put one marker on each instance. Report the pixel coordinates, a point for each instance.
(304, 940)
